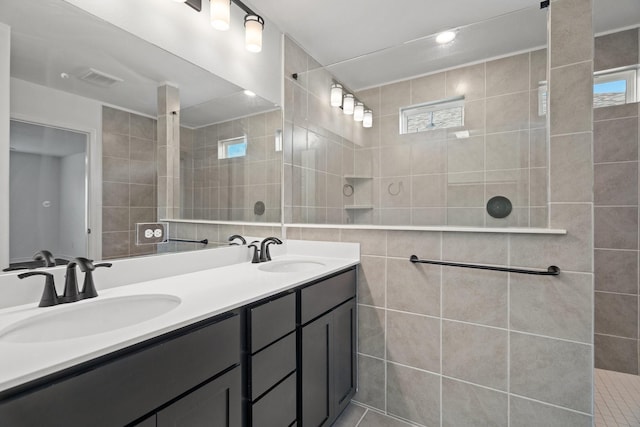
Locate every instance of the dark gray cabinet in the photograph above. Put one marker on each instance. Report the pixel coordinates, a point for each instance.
(217, 403)
(131, 384)
(327, 351)
(288, 360)
(271, 362)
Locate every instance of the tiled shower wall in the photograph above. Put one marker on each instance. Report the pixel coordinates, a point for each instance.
(426, 178)
(228, 189)
(450, 347)
(433, 178)
(616, 216)
(128, 181)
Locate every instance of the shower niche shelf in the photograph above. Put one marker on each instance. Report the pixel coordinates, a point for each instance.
(357, 177)
(357, 207)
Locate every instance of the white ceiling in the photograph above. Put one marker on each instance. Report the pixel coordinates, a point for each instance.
(51, 37)
(369, 43)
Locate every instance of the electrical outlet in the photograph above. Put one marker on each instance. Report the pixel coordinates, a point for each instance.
(148, 233)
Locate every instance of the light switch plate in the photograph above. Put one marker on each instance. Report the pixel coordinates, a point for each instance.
(148, 233)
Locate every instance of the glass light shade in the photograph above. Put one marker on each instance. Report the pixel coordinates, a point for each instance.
(367, 120)
(358, 112)
(220, 14)
(348, 104)
(253, 25)
(336, 95)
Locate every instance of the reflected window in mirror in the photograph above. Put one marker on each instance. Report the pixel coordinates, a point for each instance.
(232, 147)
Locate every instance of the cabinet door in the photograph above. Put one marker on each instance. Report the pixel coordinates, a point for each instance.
(343, 356)
(217, 403)
(316, 358)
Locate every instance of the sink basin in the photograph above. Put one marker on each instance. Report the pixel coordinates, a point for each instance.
(291, 266)
(87, 318)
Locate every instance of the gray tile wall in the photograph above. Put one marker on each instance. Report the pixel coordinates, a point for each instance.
(426, 178)
(128, 180)
(616, 251)
(441, 346)
(227, 189)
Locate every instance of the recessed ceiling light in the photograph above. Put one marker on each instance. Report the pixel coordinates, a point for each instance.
(249, 93)
(445, 37)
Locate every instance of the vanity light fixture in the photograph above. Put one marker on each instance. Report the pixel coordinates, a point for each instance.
(348, 104)
(358, 111)
(221, 20)
(220, 14)
(445, 37)
(336, 95)
(253, 25)
(367, 120)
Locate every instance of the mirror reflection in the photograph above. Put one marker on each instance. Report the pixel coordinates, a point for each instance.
(459, 128)
(71, 79)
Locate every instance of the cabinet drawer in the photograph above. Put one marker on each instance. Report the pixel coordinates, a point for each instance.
(272, 364)
(278, 407)
(116, 392)
(323, 296)
(272, 320)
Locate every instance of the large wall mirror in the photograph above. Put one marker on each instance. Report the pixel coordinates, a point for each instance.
(458, 132)
(86, 154)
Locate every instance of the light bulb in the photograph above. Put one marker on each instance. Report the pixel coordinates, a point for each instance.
(367, 120)
(220, 14)
(336, 95)
(446, 37)
(358, 112)
(348, 104)
(253, 25)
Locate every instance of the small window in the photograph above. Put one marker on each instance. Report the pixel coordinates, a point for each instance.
(232, 147)
(614, 88)
(609, 88)
(432, 115)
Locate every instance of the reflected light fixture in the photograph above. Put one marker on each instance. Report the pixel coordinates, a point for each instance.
(253, 25)
(336, 95)
(445, 37)
(220, 14)
(367, 120)
(358, 112)
(348, 104)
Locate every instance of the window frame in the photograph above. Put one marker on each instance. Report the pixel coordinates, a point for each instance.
(405, 113)
(224, 144)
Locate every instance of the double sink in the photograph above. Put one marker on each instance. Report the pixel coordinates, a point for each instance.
(100, 315)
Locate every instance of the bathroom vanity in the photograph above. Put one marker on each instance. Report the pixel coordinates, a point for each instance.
(271, 347)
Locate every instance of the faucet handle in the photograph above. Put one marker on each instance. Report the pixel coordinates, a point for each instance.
(87, 267)
(49, 295)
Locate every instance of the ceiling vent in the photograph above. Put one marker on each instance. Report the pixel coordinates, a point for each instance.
(99, 78)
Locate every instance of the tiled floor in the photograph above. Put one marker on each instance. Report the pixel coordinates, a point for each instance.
(617, 399)
(617, 404)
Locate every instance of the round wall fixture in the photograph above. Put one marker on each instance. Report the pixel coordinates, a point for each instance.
(499, 207)
(258, 208)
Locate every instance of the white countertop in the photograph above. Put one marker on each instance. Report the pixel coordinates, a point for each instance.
(203, 294)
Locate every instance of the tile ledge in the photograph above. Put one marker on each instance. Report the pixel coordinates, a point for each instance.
(443, 228)
(206, 221)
